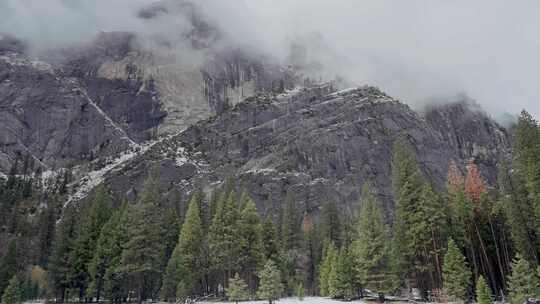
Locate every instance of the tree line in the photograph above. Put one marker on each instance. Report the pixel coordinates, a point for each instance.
(463, 242)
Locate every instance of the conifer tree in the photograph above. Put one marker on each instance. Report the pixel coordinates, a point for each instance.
(87, 236)
(270, 240)
(251, 246)
(13, 293)
(527, 172)
(527, 149)
(524, 282)
(517, 205)
(310, 255)
(270, 287)
(370, 250)
(59, 265)
(185, 265)
(326, 269)
(108, 249)
(223, 238)
(483, 292)
(456, 273)
(8, 266)
(238, 289)
(407, 186)
(171, 228)
(341, 281)
(290, 242)
(143, 251)
(290, 229)
(331, 223)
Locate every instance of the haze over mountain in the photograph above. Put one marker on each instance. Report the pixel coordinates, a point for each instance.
(417, 51)
(180, 150)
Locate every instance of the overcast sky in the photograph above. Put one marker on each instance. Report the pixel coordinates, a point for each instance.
(414, 50)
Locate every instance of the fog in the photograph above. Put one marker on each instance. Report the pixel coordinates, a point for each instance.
(417, 51)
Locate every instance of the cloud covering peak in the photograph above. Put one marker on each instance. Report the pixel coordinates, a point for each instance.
(415, 50)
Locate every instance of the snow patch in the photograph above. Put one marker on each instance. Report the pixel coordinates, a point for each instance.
(307, 300)
(343, 92)
(16, 60)
(94, 178)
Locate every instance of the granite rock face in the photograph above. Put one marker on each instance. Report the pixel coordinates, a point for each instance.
(113, 84)
(50, 117)
(318, 145)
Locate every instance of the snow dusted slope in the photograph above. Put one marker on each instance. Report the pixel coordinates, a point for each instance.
(319, 144)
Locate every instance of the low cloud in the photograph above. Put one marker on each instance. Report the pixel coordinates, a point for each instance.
(416, 50)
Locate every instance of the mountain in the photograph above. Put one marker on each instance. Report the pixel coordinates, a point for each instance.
(114, 107)
(318, 144)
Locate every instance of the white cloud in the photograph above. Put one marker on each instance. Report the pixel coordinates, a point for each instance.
(414, 49)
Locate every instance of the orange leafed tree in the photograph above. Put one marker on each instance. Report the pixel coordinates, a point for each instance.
(474, 184)
(307, 223)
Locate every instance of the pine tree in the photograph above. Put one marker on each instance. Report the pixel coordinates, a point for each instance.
(86, 239)
(8, 266)
(290, 228)
(238, 289)
(523, 283)
(517, 205)
(143, 252)
(59, 265)
(527, 163)
(270, 240)
(341, 281)
(409, 225)
(527, 148)
(483, 292)
(370, 250)
(456, 273)
(185, 263)
(13, 293)
(326, 269)
(270, 288)
(290, 242)
(108, 249)
(311, 250)
(223, 238)
(331, 223)
(251, 246)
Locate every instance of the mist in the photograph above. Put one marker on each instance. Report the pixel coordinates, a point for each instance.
(417, 51)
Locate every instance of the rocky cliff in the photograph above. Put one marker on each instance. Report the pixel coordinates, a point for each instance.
(316, 144)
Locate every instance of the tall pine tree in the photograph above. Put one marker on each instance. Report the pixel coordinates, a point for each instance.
(456, 273)
(370, 249)
(142, 253)
(59, 266)
(107, 251)
(185, 264)
(524, 282)
(251, 250)
(87, 236)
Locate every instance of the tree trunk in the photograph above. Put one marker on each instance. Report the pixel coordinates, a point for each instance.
(503, 282)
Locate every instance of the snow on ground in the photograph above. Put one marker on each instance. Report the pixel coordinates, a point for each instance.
(307, 300)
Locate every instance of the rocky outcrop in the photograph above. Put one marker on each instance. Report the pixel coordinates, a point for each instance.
(139, 94)
(51, 118)
(315, 144)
